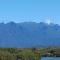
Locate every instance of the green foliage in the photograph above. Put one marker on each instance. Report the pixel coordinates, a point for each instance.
(25, 53)
(15, 54)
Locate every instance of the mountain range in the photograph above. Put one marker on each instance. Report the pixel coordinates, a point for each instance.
(29, 34)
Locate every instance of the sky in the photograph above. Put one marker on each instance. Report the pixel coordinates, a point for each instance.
(30, 11)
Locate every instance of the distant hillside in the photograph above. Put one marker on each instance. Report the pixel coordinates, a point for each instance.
(29, 34)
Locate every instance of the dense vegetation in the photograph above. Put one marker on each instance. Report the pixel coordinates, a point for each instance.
(16, 54)
(26, 54)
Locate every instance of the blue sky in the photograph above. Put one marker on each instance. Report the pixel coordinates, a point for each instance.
(30, 10)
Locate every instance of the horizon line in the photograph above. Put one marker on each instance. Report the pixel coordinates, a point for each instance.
(29, 22)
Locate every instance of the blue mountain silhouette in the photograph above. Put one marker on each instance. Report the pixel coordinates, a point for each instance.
(29, 34)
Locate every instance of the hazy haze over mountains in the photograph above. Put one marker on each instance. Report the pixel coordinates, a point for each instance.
(29, 34)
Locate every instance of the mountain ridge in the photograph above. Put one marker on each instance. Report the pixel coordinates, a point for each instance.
(29, 34)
